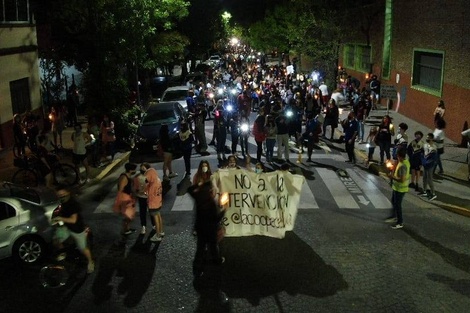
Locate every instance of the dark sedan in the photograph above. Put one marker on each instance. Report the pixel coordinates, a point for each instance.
(147, 135)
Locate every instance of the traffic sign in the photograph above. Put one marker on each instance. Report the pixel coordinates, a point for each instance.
(388, 92)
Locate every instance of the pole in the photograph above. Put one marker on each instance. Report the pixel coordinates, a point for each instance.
(137, 83)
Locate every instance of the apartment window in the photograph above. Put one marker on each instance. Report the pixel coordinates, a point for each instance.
(14, 11)
(349, 54)
(428, 70)
(364, 58)
(357, 57)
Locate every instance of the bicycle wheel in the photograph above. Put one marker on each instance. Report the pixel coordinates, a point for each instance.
(65, 174)
(25, 177)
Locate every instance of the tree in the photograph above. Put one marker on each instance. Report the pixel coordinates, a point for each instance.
(103, 38)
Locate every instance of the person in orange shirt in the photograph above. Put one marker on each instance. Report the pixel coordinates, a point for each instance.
(154, 200)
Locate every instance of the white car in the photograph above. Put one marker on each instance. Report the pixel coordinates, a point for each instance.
(176, 93)
(25, 222)
(215, 60)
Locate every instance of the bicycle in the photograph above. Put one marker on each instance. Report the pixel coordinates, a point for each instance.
(29, 174)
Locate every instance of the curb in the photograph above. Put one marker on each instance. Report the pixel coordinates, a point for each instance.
(378, 170)
(112, 165)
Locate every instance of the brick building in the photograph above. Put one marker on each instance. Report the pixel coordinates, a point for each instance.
(19, 69)
(422, 49)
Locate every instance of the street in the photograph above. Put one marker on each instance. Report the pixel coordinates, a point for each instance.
(341, 256)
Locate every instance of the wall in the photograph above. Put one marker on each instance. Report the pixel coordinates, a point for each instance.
(18, 59)
(432, 25)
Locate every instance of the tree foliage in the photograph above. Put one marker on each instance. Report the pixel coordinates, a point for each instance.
(103, 38)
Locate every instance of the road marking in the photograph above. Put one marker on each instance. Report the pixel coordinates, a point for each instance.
(338, 190)
(183, 203)
(369, 187)
(307, 199)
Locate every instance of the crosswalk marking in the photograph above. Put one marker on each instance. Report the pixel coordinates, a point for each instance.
(106, 206)
(378, 200)
(338, 190)
(307, 199)
(183, 203)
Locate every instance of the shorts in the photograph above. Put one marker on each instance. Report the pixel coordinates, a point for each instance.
(63, 233)
(78, 158)
(154, 212)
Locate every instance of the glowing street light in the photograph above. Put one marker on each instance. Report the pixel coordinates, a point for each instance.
(234, 41)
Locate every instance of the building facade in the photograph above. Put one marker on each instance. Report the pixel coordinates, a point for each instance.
(421, 48)
(19, 68)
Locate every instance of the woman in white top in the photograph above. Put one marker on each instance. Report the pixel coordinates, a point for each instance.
(80, 141)
(439, 111)
(439, 136)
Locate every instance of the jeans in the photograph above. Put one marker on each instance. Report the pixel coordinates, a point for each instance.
(397, 199)
(438, 163)
(384, 148)
(243, 139)
(350, 150)
(221, 140)
(360, 130)
(143, 209)
(259, 150)
(283, 140)
(427, 179)
(234, 142)
(270, 143)
(187, 160)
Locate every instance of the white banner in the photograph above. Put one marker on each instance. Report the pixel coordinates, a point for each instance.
(259, 204)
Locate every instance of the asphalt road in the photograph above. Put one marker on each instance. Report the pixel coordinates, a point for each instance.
(339, 258)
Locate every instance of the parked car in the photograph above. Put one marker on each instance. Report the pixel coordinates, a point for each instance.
(147, 136)
(214, 60)
(25, 222)
(176, 93)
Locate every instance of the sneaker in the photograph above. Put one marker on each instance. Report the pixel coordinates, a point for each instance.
(391, 220)
(129, 231)
(423, 194)
(156, 238)
(166, 178)
(143, 230)
(90, 267)
(397, 226)
(162, 234)
(172, 175)
(432, 197)
(61, 256)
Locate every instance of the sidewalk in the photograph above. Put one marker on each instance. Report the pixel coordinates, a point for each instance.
(452, 188)
(7, 169)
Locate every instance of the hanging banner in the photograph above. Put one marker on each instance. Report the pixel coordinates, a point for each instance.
(259, 204)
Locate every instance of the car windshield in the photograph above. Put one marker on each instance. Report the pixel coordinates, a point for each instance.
(174, 95)
(157, 117)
